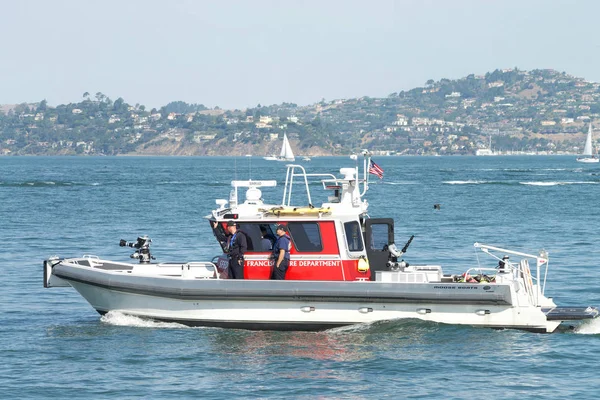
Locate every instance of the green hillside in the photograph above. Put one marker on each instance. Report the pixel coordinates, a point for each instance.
(531, 111)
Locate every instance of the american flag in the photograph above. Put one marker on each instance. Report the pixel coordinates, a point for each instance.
(375, 169)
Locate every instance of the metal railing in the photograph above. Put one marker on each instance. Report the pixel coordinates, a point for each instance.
(522, 270)
(289, 183)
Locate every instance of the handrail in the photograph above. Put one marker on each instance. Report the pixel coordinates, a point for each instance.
(485, 247)
(480, 269)
(289, 182)
(291, 174)
(541, 259)
(205, 264)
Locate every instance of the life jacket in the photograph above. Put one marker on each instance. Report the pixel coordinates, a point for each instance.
(276, 247)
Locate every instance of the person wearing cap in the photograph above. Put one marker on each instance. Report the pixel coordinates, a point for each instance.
(236, 246)
(281, 253)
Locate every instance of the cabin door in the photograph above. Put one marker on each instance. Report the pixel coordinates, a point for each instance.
(379, 234)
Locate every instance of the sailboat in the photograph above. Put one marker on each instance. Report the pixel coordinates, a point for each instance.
(286, 152)
(588, 156)
(486, 151)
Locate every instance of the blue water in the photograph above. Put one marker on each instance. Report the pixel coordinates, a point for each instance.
(54, 345)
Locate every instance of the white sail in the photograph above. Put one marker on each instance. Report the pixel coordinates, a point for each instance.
(285, 142)
(286, 153)
(286, 150)
(587, 150)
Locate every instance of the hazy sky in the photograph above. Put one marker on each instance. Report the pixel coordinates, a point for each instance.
(237, 54)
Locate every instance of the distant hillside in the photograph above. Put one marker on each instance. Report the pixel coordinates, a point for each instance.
(533, 111)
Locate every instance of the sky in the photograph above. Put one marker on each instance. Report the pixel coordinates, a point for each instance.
(238, 54)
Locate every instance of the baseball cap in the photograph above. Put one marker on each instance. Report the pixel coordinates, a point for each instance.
(282, 227)
(230, 223)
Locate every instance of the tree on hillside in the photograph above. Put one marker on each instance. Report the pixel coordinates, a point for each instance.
(42, 106)
(181, 107)
(22, 108)
(120, 106)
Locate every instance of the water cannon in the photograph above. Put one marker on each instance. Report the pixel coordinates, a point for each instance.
(142, 246)
(393, 264)
(394, 251)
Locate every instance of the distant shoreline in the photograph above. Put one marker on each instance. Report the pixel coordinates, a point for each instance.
(261, 157)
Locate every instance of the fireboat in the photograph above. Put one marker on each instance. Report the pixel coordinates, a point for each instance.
(345, 268)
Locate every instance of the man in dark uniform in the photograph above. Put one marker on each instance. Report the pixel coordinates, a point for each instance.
(281, 253)
(503, 265)
(236, 248)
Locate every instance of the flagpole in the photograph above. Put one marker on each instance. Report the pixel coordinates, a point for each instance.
(366, 160)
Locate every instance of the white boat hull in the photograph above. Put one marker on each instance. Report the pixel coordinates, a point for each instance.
(306, 315)
(589, 160)
(301, 305)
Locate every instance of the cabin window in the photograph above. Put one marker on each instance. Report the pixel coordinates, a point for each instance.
(379, 236)
(306, 236)
(353, 236)
(260, 237)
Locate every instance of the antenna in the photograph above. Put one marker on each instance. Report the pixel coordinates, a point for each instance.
(366, 160)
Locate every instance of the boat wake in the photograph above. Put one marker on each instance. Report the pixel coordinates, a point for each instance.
(391, 325)
(401, 183)
(353, 328)
(173, 183)
(115, 318)
(557, 183)
(38, 184)
(590, 327)
(465, 182)
(530, 183)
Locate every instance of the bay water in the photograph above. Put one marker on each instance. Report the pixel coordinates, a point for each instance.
(54, 345)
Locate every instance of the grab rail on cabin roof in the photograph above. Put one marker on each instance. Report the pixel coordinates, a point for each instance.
(289, 183)
(291, 174)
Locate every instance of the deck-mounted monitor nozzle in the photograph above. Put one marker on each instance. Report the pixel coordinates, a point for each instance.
(394, 250)
(397, 265)
(142, 246)
(394, 254)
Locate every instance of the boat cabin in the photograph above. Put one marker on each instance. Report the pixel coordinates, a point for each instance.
(336, 241)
